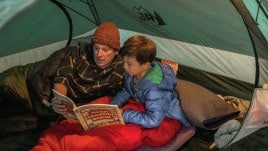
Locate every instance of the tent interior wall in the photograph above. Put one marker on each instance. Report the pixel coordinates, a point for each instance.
(219, 29)
(221, 45)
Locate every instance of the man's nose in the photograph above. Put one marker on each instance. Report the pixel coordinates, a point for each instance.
(100, 53)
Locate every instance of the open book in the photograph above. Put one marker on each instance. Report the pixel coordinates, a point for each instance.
(91, 115)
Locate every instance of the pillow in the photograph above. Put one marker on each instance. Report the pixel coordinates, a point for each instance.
(202, 107)
(172, 64)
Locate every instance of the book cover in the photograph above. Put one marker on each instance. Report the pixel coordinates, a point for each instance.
(91, 116)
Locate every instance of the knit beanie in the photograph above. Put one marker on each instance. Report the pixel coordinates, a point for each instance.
(107, 34)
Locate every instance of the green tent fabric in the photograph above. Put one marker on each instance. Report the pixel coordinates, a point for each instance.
(226, 40)
(221, 45)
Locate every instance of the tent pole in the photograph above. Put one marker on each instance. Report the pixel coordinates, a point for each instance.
(253, 30)
(69, 20)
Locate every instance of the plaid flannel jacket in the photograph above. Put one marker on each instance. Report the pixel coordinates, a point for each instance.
(84, 79)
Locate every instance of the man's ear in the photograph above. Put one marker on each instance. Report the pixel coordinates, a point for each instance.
(116, 52)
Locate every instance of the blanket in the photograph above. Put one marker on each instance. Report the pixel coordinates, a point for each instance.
(64, 136)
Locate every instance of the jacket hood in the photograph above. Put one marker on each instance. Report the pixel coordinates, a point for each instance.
(160, 75)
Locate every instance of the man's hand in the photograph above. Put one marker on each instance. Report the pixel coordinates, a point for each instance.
(58, 107)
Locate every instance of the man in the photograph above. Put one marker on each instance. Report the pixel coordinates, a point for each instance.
(91, 70)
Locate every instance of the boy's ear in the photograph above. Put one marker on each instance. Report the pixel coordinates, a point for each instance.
(147, 65)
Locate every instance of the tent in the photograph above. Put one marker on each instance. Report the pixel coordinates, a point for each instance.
(221, 45)
(257, 115)
(226, 40)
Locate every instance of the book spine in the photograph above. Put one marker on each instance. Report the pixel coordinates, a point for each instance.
(81, 120)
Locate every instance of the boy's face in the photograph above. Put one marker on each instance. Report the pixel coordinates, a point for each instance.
(103, 55)
(134, 68)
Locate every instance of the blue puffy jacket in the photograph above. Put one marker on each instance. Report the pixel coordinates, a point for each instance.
(157, 92)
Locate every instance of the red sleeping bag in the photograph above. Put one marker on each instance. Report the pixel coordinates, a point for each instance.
(69, 135)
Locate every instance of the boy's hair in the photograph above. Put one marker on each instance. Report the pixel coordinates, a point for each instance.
(139, 47)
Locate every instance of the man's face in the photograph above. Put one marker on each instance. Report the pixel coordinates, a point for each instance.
(103, 55)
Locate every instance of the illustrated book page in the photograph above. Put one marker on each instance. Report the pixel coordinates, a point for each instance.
(91, 115)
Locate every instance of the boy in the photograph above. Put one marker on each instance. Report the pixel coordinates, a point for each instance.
(151, 84)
